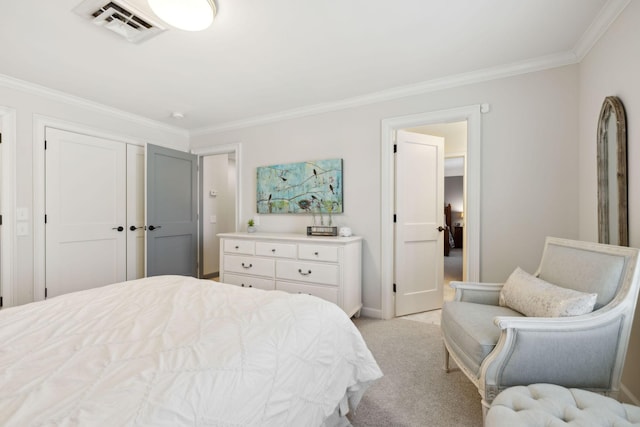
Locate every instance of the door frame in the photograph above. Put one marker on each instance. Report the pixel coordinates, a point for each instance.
(472, 114)
(236, 150)
(8, 243)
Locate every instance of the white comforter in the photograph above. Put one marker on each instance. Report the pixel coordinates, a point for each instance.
(175, 351)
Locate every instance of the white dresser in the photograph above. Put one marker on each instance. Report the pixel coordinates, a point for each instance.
(326, 267)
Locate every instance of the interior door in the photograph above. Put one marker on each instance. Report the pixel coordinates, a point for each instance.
(171, 212)
(419, 258)
(85, 212)
(135, 227)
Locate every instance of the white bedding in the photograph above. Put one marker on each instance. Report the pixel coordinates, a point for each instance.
(174, 351)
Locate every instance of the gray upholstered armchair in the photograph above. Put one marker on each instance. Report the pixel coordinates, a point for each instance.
(498, 347)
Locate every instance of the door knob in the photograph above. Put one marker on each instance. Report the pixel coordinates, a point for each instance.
(121, 228)
(441, 229)
(153, 227)
(134, 228)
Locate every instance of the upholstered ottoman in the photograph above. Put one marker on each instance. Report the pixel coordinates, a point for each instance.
(548, 405)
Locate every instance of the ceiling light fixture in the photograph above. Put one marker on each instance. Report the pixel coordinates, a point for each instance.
(189, 15)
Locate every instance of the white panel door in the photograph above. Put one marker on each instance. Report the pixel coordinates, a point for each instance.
(85, 212)
(419, 257)
(135, 228)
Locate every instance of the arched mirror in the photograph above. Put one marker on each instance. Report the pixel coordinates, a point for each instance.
(612, 174)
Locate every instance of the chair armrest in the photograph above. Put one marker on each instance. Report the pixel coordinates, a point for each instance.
(477, 292)
(581, 351)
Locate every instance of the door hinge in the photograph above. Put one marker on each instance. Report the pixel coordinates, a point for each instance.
(45, 218)
(395, 219)
(0, 137)
(0, 219)
(45, 292)
(1, 302)
(394, 287)
(45, 144)
(395, 148)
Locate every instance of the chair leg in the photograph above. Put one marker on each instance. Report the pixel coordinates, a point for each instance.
(446, 360)
(485, 410)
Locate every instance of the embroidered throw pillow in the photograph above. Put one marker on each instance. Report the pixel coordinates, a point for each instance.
(534, 297)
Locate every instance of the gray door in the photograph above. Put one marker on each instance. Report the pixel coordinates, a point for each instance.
(171, 212)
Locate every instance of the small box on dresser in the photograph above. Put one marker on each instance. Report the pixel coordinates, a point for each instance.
(324, 266)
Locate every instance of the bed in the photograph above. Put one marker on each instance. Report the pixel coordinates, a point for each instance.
(174, 351)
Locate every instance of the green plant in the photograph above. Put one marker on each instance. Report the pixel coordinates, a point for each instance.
(250, 223)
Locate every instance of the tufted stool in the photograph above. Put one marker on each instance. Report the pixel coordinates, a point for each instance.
(548, 405)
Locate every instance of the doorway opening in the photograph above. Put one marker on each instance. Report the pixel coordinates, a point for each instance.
(471, 199)
(454, 167)
(219, 203)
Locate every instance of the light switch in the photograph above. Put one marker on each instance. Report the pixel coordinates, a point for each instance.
(22, 228)
(22, 214)
(213, 219)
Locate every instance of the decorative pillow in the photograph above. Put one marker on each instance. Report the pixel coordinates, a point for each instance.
(534, 297)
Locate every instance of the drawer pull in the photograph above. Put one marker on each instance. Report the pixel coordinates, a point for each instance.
(316, 253)
(247, 266)
(273, 250)
(242, 284)
(237, 247)
(303, 273)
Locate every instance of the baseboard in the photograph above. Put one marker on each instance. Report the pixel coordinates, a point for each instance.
(627, 396)
(211, 275)
(374, 313)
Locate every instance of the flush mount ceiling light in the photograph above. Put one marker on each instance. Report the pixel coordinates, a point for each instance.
(190, 15)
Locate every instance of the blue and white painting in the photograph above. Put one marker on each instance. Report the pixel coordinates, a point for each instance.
(305, 187)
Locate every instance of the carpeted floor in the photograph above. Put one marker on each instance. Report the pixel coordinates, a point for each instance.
(415, 390)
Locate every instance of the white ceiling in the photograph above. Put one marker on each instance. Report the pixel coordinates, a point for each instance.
(263, 60)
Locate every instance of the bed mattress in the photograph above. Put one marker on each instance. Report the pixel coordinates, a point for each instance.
(174, 351)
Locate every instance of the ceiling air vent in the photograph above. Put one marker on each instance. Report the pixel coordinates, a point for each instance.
(119, 17)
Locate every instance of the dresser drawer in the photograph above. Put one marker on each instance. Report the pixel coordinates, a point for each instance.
(249, 282)
(308, 272)
(245, 247)
(249, 265)
(326, 293)
(318, 253)
(279, 250)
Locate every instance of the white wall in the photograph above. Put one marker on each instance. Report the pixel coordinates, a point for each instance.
(454, 134)
(529, 170)
(30, 107)
(453, 194)
(612, 68)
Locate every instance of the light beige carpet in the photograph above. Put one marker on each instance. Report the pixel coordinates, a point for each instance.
(415, 390)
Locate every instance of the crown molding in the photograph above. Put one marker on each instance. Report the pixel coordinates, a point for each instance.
(45, 92)
(607, 15)
(492, 73)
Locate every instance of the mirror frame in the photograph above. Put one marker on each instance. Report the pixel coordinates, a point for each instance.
(612, 108)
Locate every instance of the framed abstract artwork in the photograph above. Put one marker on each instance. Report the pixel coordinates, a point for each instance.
(304, 187)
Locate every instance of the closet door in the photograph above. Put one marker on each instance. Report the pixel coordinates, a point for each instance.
(135, 212)
(85, 212)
